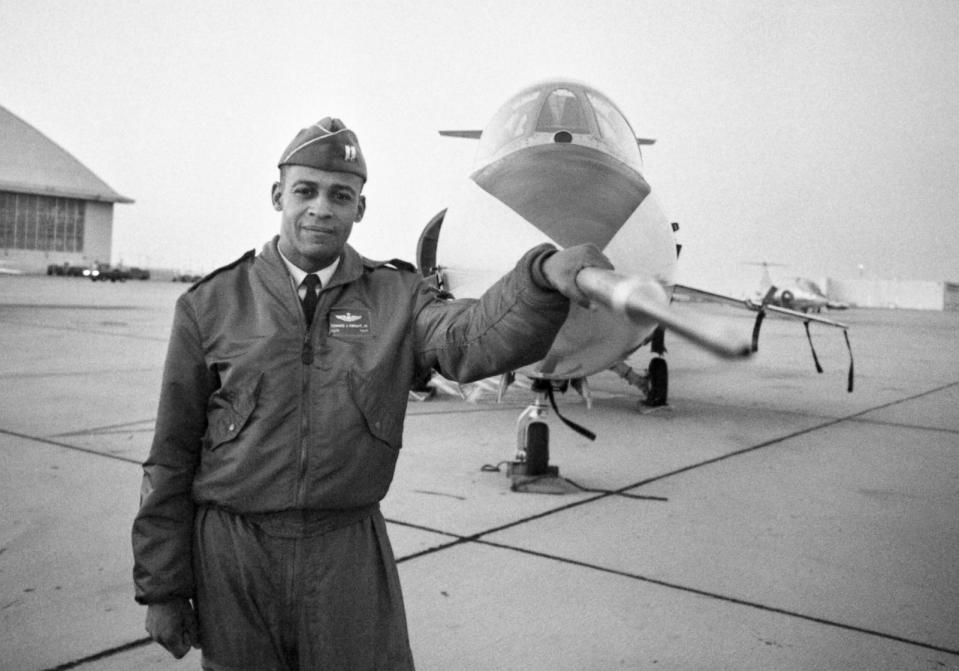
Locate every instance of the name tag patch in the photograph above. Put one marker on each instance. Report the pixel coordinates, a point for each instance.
(350, 322)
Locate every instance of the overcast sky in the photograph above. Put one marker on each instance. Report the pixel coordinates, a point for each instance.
(823, 135)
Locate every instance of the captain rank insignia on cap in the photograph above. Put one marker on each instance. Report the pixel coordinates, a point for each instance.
(326, 145)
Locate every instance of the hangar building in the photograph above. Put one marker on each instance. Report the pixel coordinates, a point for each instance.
(53, 209)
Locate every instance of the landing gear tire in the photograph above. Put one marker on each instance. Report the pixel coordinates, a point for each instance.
(658, 383)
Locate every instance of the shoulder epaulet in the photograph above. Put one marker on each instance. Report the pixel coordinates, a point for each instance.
(233, 264)
(393, 264)
(400, 264)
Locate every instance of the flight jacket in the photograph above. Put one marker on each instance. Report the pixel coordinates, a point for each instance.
(260, 413)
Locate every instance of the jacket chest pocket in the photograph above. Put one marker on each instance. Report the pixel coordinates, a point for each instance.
(383, 415)
(229, 411)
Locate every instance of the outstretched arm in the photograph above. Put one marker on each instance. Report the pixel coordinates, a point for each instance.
(512, 324)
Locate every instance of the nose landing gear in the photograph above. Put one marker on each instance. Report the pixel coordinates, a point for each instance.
(530, 470)
(657, 383)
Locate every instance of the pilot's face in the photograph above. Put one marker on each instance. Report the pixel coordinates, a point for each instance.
(318, 209)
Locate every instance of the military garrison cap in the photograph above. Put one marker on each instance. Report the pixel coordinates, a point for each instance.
(327, 145)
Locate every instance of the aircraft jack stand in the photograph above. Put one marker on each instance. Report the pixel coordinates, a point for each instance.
(530, 470)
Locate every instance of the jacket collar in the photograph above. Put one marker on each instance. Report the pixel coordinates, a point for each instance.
(349, 270)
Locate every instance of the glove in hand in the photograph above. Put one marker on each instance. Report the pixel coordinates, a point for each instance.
(561, 268)
(173, 625)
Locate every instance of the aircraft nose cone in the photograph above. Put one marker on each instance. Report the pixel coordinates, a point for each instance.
(574, 194)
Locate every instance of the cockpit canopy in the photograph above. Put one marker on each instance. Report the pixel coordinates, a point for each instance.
(561, 112)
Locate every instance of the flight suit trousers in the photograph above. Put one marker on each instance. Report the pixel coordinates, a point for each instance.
(298, 590)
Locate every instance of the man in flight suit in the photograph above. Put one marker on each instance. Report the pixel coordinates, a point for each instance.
(259, 537)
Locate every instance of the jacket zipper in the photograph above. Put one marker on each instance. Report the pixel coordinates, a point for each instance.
(306, 356)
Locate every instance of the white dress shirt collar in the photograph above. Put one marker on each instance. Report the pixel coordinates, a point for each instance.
(297, 274)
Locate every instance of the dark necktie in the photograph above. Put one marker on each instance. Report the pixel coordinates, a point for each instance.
(311, 282)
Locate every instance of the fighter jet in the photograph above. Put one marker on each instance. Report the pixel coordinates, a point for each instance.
(560, 163)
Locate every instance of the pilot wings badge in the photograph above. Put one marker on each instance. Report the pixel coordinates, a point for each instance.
(350, 322)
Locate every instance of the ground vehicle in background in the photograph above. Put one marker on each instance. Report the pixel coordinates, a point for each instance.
(102, 272)
(65, 270)
(187, 277)
(138, 273)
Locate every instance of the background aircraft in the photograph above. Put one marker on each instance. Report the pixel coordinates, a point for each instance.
(560, 163)
(800, 294)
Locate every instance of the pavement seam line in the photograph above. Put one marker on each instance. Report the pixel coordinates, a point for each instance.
(903, 425)
(773, 441)
(103, 654)
(68, 446)
(719, 597)
(80, 373)
(105, 429)
(90, 331)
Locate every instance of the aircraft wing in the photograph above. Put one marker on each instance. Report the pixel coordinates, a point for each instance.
(802, 316)
(763, 307)
(749, 304)
(475, 135)
(468, 134)
(708, 296)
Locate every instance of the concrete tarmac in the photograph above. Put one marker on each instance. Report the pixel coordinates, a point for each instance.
(766, 519)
